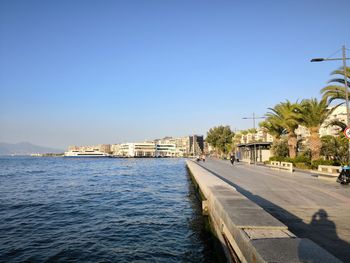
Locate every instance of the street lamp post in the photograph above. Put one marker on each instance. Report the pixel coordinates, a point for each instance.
(343, 58)
(253, 118)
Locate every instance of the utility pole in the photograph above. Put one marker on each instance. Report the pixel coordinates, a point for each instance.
(346, 97)
(343, 58)
(254, 134)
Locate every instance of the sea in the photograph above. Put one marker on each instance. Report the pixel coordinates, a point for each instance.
(57, 209)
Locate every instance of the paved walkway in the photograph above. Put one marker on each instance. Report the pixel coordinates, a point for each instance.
(310, 207)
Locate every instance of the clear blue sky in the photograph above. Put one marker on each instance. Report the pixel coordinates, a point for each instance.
(86, 72)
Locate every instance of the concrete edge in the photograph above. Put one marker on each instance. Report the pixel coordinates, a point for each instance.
(250, 240)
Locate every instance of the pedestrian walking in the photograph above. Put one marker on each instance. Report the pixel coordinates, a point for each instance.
(232, 158)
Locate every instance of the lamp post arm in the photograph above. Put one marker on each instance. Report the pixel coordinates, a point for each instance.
(327, 59)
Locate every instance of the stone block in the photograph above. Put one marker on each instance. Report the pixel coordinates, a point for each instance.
(268, 233)
(236, 203)
(252, 218)
(291, 250)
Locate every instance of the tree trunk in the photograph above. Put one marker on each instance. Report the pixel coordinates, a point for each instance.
(315, 144)
(292, 145)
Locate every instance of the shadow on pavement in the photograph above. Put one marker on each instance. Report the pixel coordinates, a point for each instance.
(321, 230)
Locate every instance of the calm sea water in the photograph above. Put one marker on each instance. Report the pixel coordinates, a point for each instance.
(99, 210)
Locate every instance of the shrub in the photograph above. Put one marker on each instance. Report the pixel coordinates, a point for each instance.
(316, 163)
(302, 159)
(280, 148)
(302, 165)
(278, 158)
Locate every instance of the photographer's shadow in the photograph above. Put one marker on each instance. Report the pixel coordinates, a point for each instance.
(323, 231)
(320, 220)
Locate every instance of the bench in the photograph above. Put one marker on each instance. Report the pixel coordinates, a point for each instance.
(328, 172)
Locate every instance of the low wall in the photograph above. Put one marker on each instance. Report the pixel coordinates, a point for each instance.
(328, 172)
(281, 166)
(246, 231)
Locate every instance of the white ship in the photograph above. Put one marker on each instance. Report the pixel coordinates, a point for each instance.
(86, 153)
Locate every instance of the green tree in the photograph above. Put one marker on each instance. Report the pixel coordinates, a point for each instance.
(286, 115)
(272, 127)
(335, 148)
(221, 138)
(252, 131)
(336, 89)
(280, 148)
(312, 114)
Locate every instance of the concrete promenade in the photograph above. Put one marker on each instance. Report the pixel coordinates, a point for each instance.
(311, 208)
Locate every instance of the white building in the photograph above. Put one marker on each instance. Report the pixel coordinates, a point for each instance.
(115, 148)
(260, 136)
(182, 145)
(339, 114)
(143, 149)
(166, 150)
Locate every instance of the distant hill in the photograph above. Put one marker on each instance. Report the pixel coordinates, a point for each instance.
(25, 148)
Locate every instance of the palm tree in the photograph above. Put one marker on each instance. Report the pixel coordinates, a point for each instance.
(334, 91)
(286, 115)
(273, 129)
(313, 114)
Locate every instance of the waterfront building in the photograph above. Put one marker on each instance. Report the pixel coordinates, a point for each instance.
(105, 148)
(144, 149)
(125, 150)
(182, 146)
(166, 150)
(115, 149)
(185, 146)
(165, 147)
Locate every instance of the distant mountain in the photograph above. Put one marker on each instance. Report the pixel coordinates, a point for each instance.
(25, 148)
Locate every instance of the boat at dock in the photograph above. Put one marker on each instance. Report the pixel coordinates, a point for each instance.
(87, 153)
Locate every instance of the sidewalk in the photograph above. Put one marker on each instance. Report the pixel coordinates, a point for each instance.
(311, 208)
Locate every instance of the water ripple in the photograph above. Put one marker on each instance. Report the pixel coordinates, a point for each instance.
(99, 210)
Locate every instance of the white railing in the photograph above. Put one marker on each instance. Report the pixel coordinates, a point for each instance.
(328, 172)
(281, 166)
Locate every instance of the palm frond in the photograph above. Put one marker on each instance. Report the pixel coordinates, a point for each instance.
(333, 92)
(339, 80)
(338, 123)
(340, 71)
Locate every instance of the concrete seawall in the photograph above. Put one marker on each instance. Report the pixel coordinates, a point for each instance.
(246, 231)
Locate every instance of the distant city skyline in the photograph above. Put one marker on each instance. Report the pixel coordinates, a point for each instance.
(92, 72)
